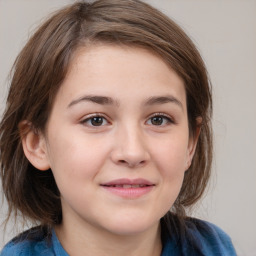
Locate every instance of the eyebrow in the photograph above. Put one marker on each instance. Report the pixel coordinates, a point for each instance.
(102, 100)
(155, 100)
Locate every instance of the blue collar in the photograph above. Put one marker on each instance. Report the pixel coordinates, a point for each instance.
(168, 247)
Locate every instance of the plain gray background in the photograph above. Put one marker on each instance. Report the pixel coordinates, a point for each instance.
(225, 33)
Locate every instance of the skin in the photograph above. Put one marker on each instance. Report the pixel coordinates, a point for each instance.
(127, 142)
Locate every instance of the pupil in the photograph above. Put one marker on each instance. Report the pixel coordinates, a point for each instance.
(97, 121)
(157, 120)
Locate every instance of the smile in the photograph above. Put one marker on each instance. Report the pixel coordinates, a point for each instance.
(128, 186)
(129, 189)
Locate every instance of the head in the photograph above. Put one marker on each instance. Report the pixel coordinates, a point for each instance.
(43, 66)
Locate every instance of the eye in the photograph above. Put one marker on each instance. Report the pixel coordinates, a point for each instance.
(96, 120)
(159, 120)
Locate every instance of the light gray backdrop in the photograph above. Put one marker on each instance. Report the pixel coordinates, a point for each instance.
(225, 33)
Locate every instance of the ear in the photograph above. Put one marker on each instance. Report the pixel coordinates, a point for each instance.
(193, 142)
(34, 146)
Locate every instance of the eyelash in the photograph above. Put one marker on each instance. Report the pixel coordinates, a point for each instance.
(168, 119)
(90, 117)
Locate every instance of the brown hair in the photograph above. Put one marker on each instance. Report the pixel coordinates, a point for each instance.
(41, 67)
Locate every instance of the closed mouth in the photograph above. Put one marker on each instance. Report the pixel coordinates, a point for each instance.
(127, 185)
(129, 188)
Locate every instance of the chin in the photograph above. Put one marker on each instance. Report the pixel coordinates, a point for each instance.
(131, 226)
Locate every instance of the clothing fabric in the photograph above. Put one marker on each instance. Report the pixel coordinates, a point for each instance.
(203, 238)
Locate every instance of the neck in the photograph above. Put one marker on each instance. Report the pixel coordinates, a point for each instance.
(92, 241)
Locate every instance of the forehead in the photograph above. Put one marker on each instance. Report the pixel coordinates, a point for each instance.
(119, 70)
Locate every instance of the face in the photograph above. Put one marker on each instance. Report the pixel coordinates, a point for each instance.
(117, 139)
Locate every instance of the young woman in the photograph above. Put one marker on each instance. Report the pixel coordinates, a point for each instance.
(106, 138)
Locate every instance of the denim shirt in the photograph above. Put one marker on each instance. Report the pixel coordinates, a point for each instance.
(214, 242)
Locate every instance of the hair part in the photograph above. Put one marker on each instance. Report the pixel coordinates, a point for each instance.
(42, 66)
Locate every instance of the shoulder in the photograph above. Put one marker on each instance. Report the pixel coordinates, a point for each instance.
(194, 237)
(32, 242)
(208, 237)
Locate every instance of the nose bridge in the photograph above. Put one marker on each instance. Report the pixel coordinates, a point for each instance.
(133, 138)
(130, 146)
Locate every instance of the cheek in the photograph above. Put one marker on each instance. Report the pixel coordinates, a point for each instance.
(170, 156)
(75, 158)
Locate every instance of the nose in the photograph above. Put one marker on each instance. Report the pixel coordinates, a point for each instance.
(130, 148)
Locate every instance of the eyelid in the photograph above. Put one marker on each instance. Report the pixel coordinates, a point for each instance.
(163, 115)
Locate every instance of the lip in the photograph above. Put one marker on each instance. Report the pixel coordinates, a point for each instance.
(128, 188)
(125, 181)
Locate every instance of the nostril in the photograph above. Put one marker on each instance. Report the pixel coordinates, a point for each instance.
(132, 163)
